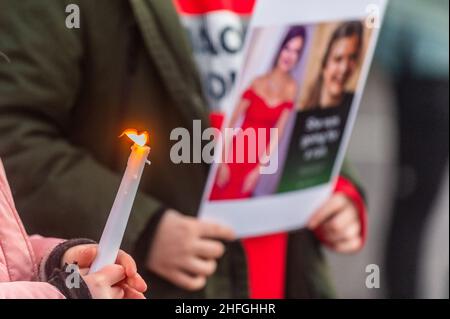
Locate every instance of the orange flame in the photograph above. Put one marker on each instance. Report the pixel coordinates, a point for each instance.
(139, 139)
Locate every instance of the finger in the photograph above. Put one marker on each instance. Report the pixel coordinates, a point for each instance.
(220, 180)
(223, 180)
(112, 274)
(350, 232)
(216, 231)
(136, 282)
(84, 271)
(117, 292)
(249, 183)
(340, 221)
(208, 249)
(223, 176)
(200, 267)
(130, 293)
(127, 262)
(246, 188)
(334, 204)
(348, 247)
(188, 282)
(83, 255)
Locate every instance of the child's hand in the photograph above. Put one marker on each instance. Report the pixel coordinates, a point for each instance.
(105, 284)
(132, 284)
(337, 224)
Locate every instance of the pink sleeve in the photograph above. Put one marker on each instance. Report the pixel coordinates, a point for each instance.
(42, 247)
(29, 290)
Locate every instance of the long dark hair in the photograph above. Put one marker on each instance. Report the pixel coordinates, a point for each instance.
(345, 30)
(294, 32)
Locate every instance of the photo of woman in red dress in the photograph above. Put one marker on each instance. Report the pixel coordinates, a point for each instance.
(265, 105)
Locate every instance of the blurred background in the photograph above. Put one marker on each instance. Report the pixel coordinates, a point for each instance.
(400, 148)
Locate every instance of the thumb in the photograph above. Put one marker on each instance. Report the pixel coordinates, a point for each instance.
(84, 255)
(216, 231)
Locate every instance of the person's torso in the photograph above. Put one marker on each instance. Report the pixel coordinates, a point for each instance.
(126, 85)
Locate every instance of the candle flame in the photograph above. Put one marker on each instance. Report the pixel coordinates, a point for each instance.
(139, 139)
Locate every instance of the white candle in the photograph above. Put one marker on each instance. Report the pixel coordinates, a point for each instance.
(120, 212)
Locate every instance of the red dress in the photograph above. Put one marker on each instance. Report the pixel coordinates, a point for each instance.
(258, 116)
(266, 255)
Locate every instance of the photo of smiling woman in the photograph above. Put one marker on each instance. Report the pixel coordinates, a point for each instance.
(266, 104)
(330, 83)
(338, 66)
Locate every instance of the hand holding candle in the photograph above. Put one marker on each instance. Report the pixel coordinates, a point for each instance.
(120, 212)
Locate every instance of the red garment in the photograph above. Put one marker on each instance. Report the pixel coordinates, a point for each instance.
(266, 256)
(266, 265)
(205, 6)
(258, 116)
